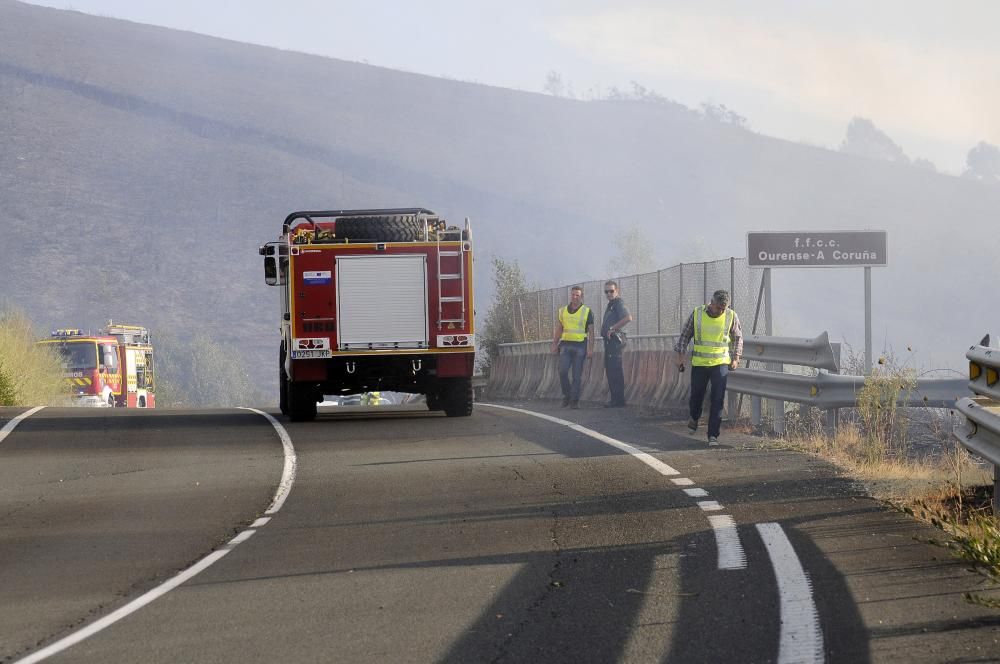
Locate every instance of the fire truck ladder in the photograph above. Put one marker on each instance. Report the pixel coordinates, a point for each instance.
(451, 276)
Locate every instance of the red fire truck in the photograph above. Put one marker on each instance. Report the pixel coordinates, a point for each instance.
(373, 300)
(111, 368)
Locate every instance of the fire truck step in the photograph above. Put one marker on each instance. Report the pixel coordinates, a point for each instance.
(449, 253)
(453, 298)
(451, 276)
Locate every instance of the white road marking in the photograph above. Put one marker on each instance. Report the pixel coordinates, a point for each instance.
(284, 487)
(731, 554)
(801, 639)
(647, 459)
(727, 540)
(10, 426)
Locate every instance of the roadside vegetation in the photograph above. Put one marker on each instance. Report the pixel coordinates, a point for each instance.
(30, 375)
(908, 458)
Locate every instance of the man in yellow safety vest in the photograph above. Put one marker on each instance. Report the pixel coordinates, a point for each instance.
(718, 346)
(573, 341)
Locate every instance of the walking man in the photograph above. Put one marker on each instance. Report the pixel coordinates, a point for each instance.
(616, 317)
(573, 341)
(718, 346)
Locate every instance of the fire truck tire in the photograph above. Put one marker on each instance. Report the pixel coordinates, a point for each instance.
(301, 402)
(433, 402)
(457, 400)
(397, 228)
(282, 382)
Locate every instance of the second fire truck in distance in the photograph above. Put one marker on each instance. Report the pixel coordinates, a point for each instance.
(373, 300)
(111, 368)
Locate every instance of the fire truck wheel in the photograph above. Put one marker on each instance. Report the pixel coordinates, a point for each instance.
(393, 228)
(433, 402)
(458, 397)
(301, 402)
(282, 382)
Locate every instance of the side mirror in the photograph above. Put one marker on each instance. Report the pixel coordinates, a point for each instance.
(271, 270)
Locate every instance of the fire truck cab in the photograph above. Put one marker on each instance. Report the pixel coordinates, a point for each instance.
(113, 368)
(372, 301)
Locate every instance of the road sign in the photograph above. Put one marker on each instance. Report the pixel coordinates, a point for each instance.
(817, 249)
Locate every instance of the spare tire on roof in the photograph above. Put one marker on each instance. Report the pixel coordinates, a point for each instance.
(391, 228)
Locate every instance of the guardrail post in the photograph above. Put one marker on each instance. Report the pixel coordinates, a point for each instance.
(832, 417)
(755, 402)
(996, 494)
(731, 405)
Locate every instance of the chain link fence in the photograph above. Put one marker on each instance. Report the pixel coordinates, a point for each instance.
(659, 302)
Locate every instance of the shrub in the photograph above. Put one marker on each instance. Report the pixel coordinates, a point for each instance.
(30, 375)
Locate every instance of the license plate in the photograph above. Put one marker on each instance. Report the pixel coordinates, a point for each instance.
(310, 354)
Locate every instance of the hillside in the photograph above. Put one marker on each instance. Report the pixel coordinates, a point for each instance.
(140, 168)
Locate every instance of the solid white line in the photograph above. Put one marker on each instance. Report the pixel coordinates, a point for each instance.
(10, 426)
(801, 639)
(647, 459)
(284, 486)
(696, 493)
(709, 505)
(727, 541)
(288, 474)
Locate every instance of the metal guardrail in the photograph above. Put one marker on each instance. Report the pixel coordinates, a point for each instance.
(828, 391)
(816, 353)
(981, 432)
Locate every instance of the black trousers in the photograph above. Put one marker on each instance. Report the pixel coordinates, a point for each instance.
(616, 377)
(700, 379)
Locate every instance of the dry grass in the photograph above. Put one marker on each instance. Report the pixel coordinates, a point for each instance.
(897, 479)
(30, 375)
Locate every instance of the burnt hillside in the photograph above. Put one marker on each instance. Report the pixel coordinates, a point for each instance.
(141, 167)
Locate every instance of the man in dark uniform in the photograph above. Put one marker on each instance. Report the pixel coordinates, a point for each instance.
(616, 317)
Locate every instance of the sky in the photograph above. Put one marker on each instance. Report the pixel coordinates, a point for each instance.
(926, 72)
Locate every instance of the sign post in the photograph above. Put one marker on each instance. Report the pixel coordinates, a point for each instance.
(865, 249)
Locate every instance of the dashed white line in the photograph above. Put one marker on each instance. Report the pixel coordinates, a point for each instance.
(284, 487)
(696, 493)
(801, 639)
(10, 426)
(727, 541)
(682, 481)
(709, 505)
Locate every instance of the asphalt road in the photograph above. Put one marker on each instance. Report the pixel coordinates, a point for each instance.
(410, 537)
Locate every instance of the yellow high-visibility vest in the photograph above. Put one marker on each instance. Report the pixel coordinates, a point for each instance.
(574, 325)
(711, 338)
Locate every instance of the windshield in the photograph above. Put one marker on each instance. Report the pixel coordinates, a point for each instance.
(78, 355)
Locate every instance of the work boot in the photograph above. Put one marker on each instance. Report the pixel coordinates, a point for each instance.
(575, 405)
(692, 425)
(565, 402)
(713, 441)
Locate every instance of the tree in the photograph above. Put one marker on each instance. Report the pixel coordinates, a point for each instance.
(866, 140)
(721, 113)
(554, 84)
(635, 254)
(201, 373)
(503, 319)
(983, 162)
